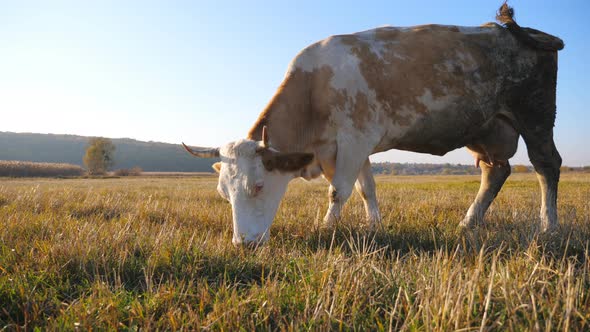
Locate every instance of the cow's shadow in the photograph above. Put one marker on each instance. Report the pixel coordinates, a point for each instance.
(568, 240)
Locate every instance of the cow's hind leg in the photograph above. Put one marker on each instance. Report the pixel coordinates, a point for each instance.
(533, 105)
(547, 162)
(491, 150)
(492, 179)
(365, 186)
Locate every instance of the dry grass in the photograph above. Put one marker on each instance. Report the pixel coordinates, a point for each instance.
(11, 168)
(156, 253)
(135, 171)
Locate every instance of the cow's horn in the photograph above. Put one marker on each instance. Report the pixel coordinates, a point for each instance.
(202, 152)
(264, 137)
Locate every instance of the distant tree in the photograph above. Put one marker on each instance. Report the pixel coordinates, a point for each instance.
(99, 155)
(565, 169)
(520, 169)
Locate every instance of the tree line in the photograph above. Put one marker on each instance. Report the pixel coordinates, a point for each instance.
(388, 168)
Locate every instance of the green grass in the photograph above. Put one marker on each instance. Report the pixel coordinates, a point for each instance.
(156, 253)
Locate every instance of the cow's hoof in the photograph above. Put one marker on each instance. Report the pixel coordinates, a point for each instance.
(467, 223)
(548, 227)
(329, 221)
(375, 226)
(471, 221)
(374, 222)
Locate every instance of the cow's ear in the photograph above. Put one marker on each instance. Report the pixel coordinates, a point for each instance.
(217, 167)
(286, 162)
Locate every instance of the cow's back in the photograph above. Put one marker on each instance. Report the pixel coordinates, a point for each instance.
(423, 88)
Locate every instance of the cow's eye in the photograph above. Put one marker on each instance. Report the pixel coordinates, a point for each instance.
(258, 188)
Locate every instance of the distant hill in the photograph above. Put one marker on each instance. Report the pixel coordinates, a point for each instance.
(165, 157)
(150, 156)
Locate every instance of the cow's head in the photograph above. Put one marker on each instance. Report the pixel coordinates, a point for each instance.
(253, 177)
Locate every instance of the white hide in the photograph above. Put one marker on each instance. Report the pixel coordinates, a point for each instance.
(252, 210)
(435, 104)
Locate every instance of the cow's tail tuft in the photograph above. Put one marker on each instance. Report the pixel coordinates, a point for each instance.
(505, 14)
(530, 37)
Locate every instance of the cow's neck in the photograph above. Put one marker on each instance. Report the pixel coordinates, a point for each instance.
(287, 117)
(278, 130)
(263, 120)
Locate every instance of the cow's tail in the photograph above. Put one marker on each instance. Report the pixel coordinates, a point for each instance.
(528, 36)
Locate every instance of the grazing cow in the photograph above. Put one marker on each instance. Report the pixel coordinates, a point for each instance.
(429, 88)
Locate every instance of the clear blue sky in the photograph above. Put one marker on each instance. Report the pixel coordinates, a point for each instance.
(201, 71)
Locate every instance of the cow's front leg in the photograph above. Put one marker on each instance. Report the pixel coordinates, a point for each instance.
(365, 186)
(337, 197)
(492, 179)
(345, 174)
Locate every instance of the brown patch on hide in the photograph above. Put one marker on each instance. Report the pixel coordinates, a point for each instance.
(299, 112)
(387, 34)
(361, 111)
(285, 162)
(423, 58)
(348, 39)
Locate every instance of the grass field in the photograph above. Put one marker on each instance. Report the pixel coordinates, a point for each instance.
(156, 253)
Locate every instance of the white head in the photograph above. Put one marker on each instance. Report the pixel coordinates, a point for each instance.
(253, 177)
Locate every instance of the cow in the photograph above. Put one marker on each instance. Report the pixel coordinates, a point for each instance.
(427, 88)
